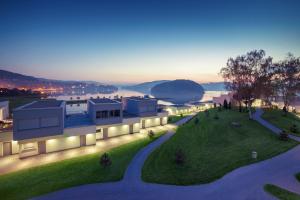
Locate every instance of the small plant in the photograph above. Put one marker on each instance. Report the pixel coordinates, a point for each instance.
(283, 136)
(179, 157)
(196, 121)
(150, 134)
(284, 109)
(215, 105)
(181, 115)
(105, 160)
(294, 128)
(216, 116)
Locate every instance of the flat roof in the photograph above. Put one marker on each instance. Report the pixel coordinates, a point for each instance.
(103, 100)
(44, 104)
(78, 119)
(141, 99)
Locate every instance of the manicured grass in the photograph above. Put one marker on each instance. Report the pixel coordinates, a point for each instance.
(68, 173)
(280, 193)
(276, 117)
(175, 118)
(212, 148)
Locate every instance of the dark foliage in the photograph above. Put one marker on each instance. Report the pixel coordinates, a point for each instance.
(105, 160)
(150, 134)
(225, 104)
(294, 128)
(283, 136)
(179, 157)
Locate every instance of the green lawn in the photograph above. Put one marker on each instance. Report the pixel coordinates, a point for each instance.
(175, 118)
(277, 118)
(280, 193)
(68, 173)
(212, 148)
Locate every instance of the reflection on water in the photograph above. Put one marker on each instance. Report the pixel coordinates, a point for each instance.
(76, 108)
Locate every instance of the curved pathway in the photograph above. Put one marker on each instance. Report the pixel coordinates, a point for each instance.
(243, 183)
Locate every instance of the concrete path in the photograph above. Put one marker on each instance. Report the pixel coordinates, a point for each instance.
(245, 183)
(257, 116)
(13, 163)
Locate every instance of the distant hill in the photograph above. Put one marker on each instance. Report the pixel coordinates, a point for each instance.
(15, 80)
(178, 91)
(144, 87)
(214, 86)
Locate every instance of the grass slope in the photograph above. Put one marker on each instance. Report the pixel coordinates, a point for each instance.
(44, 179)
(277, 118)
(175, 118)
(280, 193)
(212, 148)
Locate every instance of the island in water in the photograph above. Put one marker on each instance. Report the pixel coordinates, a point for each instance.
(178, 91)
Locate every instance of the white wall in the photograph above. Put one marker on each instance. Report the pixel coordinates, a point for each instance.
(14, 147)
(90, 139)
(118, 130)
(62, 143)
(136, 127)
(1, 149)
(164, 120)
(149, 122)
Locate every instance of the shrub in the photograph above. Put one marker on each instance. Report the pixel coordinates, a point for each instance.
(105, 160)
(215, 105)
(179, 157)
(150, 134)
(181, 115)
(197, 121)
(283, 136)
(294, 128)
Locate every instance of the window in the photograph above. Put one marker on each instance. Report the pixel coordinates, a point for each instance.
(102, 114)
(26, 124)
(115, 113)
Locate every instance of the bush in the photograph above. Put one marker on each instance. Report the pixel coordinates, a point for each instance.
(196, 121)
(150, 134)
(215, 105)
(294, 128)
(179, 157)
(283, 136)
(105, 160)
(181, 115)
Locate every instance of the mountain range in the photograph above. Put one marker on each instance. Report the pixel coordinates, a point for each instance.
(15, 80)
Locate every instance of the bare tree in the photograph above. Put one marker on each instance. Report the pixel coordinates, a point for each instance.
(287, 79)
(246, 76)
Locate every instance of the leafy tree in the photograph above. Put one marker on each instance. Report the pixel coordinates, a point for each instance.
(287, 79)
(248, 76)
(225, 104)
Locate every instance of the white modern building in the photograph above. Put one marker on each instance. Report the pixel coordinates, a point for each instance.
(43, 126)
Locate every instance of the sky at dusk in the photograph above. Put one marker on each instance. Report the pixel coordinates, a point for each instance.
(135, 41)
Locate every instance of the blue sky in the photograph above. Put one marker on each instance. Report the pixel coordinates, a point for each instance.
(121, 41)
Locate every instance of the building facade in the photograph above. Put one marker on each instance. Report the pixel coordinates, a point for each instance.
(44, 126)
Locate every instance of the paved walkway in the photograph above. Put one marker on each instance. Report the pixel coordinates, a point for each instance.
(13, 163)
(245, 183)
(257, 116)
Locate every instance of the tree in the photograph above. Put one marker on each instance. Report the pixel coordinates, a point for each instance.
(287, 79)
(229, 105)
(248, 76)
(225, 104)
